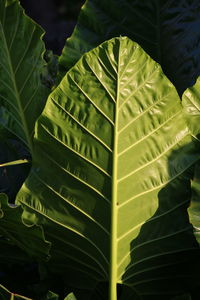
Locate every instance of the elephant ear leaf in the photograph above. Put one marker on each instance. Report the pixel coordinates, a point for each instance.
(21, 93)
(110, 182)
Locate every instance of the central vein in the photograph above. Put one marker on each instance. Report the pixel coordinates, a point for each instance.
(114, 200)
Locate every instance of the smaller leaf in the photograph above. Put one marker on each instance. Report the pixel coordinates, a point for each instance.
(51, 296)
(191, 104)
(50, 70)
(29, 238)
(70, 297)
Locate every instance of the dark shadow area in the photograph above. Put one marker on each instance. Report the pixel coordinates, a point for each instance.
(174, 28)
(12, 177)
(20, 278)
(165, 256)
(57, 18)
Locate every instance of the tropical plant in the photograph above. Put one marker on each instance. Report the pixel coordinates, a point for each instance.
(113, 155)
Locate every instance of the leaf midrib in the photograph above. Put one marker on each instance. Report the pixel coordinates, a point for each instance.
(113, 241)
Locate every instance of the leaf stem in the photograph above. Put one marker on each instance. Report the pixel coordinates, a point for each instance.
(15, 162)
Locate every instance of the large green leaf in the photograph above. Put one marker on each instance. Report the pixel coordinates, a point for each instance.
(110, 181)
(22, 95)
(167, 30)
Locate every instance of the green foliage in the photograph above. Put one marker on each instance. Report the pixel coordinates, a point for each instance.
(113, 154)
(167, 30)
(114, 105)
(30, 239)
(70, 297)
(22, 95)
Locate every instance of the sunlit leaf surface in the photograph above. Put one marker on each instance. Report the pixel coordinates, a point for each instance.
(111, 174)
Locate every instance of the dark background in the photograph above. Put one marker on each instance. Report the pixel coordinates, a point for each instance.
(57, 18)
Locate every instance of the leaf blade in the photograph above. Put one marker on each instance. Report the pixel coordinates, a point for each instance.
(143, 178)
(22, 95)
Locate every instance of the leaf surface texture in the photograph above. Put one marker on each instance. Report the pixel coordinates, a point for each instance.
(110, 181)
